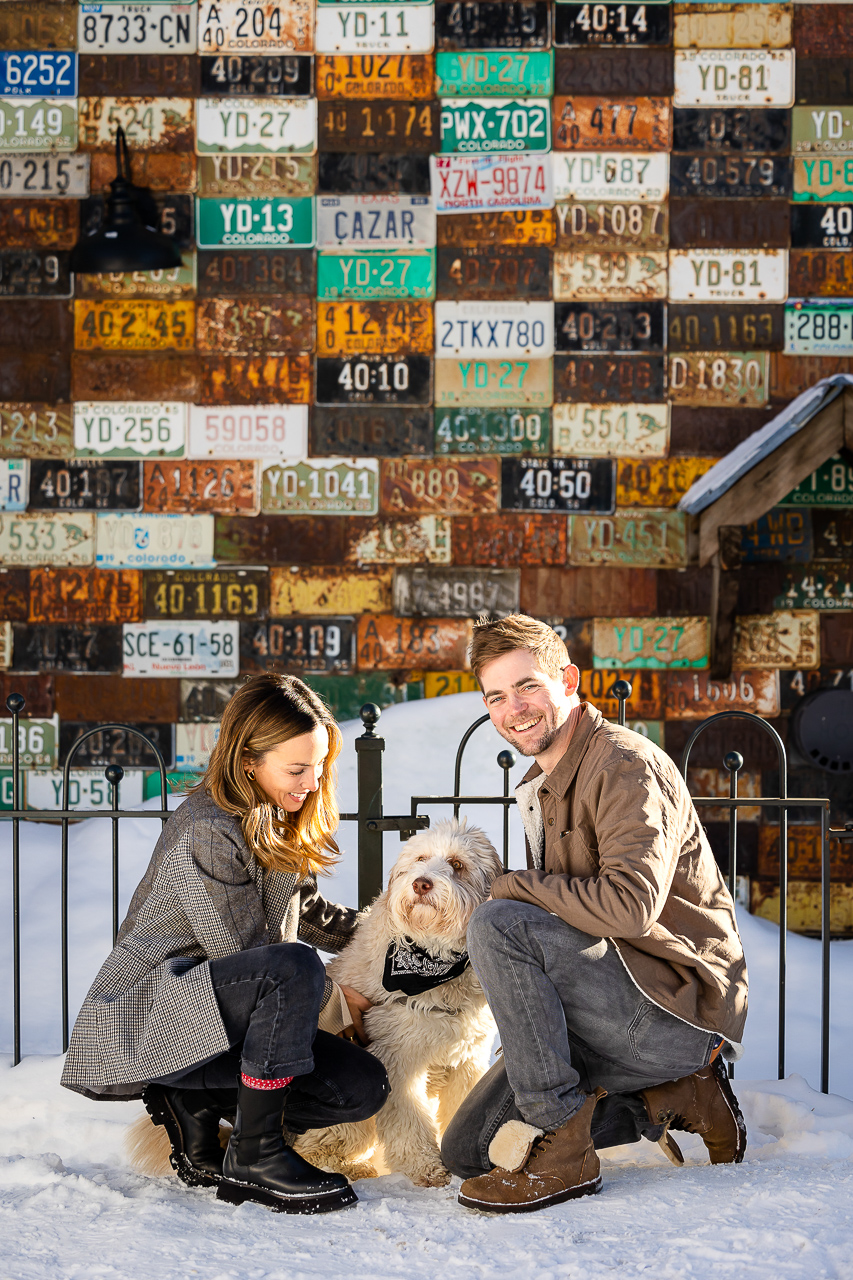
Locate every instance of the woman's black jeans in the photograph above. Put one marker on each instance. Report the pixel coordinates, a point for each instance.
(269, 999)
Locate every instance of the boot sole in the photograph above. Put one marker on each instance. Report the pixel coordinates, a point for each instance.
(157, 1106)
(573, 1193)
(240, 1192)
(733, 1105)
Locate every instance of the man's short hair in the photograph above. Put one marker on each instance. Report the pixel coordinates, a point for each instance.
(517, 631)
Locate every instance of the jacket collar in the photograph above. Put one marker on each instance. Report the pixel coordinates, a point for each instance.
(562, 776)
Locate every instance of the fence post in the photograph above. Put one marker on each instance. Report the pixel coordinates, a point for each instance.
(734, 763)
(506, 760)
(15, 704)
(369, 747)
(114, 774)
(622, 690)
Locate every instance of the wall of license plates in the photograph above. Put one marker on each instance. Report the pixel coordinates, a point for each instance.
(471, 292)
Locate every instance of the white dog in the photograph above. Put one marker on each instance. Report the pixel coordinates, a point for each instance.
(430, 1025)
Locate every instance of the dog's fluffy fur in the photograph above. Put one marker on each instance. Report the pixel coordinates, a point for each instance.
(435, 1046)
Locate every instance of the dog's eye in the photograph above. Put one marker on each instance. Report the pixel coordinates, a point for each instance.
(423, 858)
(456, 865)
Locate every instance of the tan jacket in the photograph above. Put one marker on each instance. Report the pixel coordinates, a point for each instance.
(625, 858)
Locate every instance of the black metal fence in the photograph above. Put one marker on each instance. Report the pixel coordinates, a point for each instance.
(373, 823)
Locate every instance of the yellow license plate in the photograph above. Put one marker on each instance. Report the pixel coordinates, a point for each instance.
(134, 325)
(375, 328)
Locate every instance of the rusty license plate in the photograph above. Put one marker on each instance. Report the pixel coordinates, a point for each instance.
(605, 273)
(28, 273)
(820, 273)
(605, 326)
(647, 692)
(85, 595)
(438, 684)
(500, 431)
(172, 375)
(657, 482)
(635, 124)
(698, 223)
(204, 700)
(119, 745)
(791, 375)
(134, 325)
(611, 430)
(224, 273)
(833, 532)
(369, 173)
(780, 535)
(369, 379)
(414, 540)
(732, 26)
(817, 586)
(86, 649)
(372, 431)
(824, 80)
(478, 24)
(52, 538)
(374, 76)
(36, 430)
(386, 643)
(280, 539)
(736, 378)
(614, 378)
(510, 538)
(51, 24)
(507, 227)
(494, 272)
(256, 75)
(38, 692)
(751, 129)
(161, 171)
(635, 25)
(168, 282)
(655, 643)
(345, 125)
(256, 26)
(30, 224)
(617, 71)
(218, 487)
(149, 124)
(336, 591)
(726, 176)
(592, 225)
(721, 328)
(298, 644)
(322, 486)
(455, 593)
(265, 379)
(640, 539)
(84, 484)
(227, 174)
(241, 326)
(169, 75)
(786, 639)
(375, 328)
(206, 593)
(557, 484)
(693, 697)
(440, 487)
(508, 383)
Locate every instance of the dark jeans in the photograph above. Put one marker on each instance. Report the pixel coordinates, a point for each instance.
(269, 999)
(570, 1017)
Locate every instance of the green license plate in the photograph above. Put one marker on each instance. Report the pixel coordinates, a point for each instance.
(495, 74)
(255, 223)
(821, 129)
(831, 485)
(818, 586)
(38, 743)
(823, 178)
(501, 431)
(376, 275)
(819, 326)
(38, 124)
(480, 125)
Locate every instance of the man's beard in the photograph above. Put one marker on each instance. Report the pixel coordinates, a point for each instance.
(541, 744)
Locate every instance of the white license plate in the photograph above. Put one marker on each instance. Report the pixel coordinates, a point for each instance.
(147, 122)
(375, 222)
(44, 176)
(256, 126)
(116, 27)
(53, 538)
(248, 431)
(468, 184)
(38, 124)
(375, 28)
(494, 329)
(87, 789)
(14, 485)
(181, 648)
(734, 77)
(6, 645)
(137, 429)
(321, 486)
(193, 744)
(610, 274)
(38, 743)
(739, 275)
(611, 430)
(256, 26)
(610, 175)
(819, 326)
(154, 542)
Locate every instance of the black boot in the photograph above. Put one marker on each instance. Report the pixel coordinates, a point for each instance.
(260, 1166)
(191, 1119)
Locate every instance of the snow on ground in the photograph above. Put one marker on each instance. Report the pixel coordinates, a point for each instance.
(71, 1207)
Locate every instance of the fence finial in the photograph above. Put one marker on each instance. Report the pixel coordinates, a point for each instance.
(370, 713)
(15, 703)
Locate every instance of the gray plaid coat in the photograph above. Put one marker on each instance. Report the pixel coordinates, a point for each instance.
(151, 1010)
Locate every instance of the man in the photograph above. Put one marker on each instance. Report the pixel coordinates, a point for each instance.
(613, 965)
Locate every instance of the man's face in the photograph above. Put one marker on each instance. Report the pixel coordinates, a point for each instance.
(526, 706)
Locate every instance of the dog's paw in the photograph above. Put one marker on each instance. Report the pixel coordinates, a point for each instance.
(436, 1176)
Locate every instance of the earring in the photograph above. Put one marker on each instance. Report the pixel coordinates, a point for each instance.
(251, 775)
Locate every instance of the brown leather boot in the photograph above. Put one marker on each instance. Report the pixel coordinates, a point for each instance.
(702, 1103)
(534, 1169)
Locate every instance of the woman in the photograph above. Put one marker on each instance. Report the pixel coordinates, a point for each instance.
(207, 986)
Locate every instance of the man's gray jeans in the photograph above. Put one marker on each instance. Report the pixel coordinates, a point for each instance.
(570, 1017)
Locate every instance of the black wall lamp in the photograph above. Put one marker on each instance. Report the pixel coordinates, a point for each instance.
(126, 240)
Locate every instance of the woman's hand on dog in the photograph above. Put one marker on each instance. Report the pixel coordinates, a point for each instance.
(357, 1005)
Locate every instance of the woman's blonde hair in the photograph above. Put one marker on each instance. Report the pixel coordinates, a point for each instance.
(270, 709)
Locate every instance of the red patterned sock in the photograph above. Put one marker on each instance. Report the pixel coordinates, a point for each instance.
(252, 1082)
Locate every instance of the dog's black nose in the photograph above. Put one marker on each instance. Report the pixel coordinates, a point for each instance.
(422, 885)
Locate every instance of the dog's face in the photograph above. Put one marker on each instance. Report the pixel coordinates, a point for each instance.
(441, 875)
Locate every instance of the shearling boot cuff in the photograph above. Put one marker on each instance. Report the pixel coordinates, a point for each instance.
(511, 1145)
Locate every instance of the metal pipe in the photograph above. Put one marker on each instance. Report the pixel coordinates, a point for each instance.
(506, 760)
(457, 771)
(15, 704)
(114, 774)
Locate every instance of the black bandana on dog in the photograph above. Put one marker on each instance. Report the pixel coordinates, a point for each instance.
(412, 970)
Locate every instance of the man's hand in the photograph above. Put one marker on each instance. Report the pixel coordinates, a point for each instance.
(357, 1005)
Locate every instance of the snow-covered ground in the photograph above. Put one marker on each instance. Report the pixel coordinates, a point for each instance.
(70, 1206)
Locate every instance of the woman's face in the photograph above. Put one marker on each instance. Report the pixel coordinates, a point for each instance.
(289, 771)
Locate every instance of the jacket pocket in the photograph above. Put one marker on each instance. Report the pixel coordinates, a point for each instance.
(570, 854)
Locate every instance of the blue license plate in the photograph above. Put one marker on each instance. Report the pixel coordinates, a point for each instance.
(38, 75)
